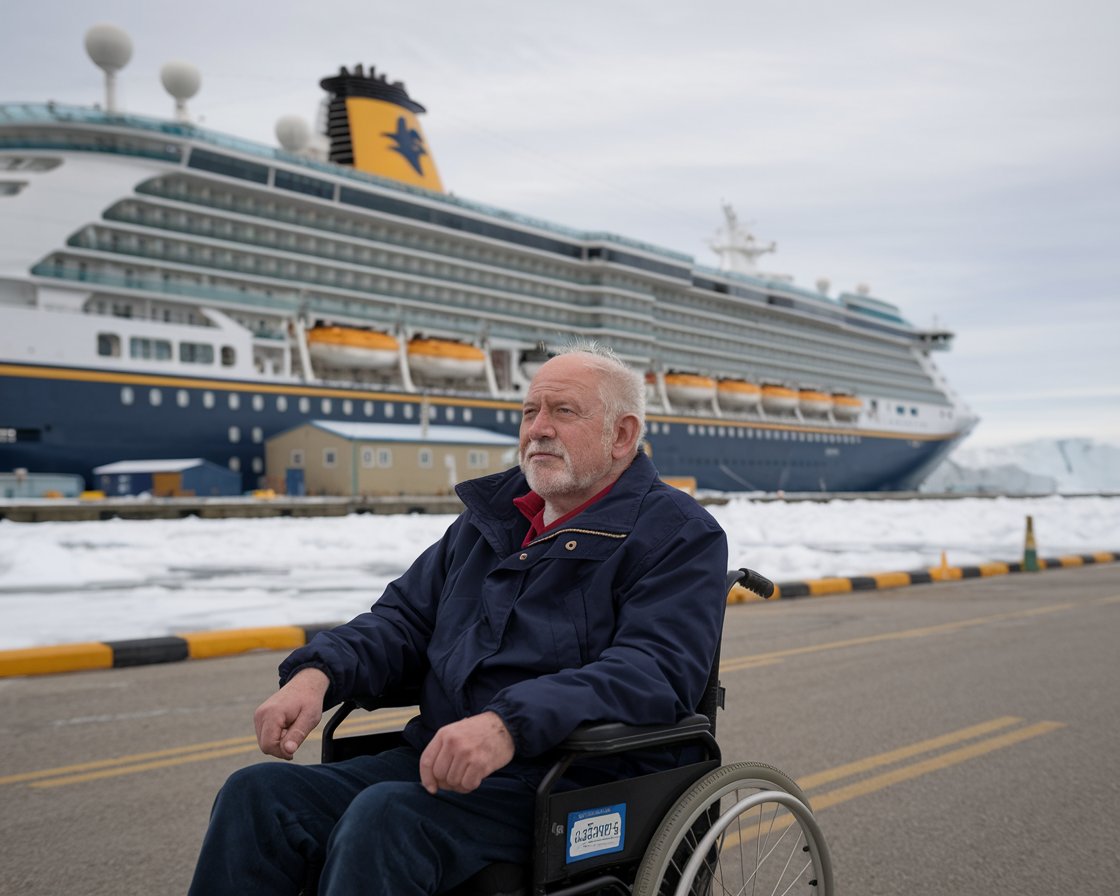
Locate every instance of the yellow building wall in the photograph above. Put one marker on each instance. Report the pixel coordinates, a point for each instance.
(362, 468)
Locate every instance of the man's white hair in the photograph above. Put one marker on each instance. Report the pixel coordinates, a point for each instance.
(622, 389)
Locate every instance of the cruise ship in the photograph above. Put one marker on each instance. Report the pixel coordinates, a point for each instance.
(167, 291)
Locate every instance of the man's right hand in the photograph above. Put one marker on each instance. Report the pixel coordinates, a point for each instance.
(285, 719)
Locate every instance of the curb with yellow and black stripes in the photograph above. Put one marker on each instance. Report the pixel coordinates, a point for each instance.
(205, 645)
(942, 573)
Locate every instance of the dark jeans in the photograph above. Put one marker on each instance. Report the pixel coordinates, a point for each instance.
(367, 822)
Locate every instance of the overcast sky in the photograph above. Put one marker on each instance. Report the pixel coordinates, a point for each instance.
(961, 158)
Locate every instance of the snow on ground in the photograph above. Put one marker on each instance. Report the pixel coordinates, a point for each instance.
(122, 579)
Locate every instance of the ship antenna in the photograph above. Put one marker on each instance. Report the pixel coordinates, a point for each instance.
(110, 49)
(181, 80)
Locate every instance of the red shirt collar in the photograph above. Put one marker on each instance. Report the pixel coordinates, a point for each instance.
(531, 506)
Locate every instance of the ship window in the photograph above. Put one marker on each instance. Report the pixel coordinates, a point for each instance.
(149, 349)
(467, 414)
(304, 405)
(127, 396)
(229, 356)
(109, 345)
(234, 401)
(325, 404)
(155, 397)
(258, 465)
(205, 160)
(196, 353)
(295, 459)
(12, 187)
(281, 402)
(367, 408)
(408, 412)
(300, 183)
(235, 434)
(235, 464)
(18, 163)
(258, 402)
(257, 435)
(389, 410)
(330, 458)
(450, 413)
(347, 407)
(182, 398)
(424, 458)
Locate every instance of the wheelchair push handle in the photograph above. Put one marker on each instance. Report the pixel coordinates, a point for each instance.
(750, 580)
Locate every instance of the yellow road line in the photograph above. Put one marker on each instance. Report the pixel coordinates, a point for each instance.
(916, 749)
(896, 776)
(922, 632)
(933, 764)
(140, 762)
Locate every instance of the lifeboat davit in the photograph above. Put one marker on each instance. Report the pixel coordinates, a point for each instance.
(845, 406)
(445, 359)
(352, 347)
(814, 403)
(738, 394)
(690, 388)
(533, 358)
(778, 399)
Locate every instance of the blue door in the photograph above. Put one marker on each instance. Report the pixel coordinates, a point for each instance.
(293, 482)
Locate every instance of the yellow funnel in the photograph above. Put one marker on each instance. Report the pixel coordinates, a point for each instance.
(374, 126)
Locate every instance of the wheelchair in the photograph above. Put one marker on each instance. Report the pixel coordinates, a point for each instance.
(699, 829)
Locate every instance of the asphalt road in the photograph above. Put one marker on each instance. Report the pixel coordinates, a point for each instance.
(954, 739)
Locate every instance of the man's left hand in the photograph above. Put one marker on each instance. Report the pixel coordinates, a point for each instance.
(463, 753)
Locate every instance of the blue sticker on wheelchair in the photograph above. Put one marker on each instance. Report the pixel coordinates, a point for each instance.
(596, 832)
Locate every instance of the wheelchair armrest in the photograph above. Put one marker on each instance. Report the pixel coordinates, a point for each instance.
(614, 737)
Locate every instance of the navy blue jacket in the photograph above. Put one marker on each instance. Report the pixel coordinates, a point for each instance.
(613, 617)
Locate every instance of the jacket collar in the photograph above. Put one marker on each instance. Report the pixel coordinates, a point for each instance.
(489, 502)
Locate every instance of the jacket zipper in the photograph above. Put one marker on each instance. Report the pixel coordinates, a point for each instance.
(559, 532)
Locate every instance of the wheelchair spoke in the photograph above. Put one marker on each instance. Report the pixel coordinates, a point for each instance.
(704, 847)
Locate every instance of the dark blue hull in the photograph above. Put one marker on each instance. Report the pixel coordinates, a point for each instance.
(70, 420)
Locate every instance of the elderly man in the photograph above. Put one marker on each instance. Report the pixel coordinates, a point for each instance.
(577, 588)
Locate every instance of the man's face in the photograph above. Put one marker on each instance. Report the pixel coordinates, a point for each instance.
(566, 444)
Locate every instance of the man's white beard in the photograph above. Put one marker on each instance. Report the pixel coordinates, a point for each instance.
(551, 483)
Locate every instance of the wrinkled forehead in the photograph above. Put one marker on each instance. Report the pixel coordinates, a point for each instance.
(567, 379)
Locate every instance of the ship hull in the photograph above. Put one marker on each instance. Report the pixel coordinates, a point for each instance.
(69, 419)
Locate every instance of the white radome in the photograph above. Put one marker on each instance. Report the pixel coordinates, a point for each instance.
(109, 47)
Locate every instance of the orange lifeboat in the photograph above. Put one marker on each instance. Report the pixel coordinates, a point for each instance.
(845, 406)
(445, 359)
(777, 398)
(814, 403)
(352, 347)
(738, 394)
(690, 388)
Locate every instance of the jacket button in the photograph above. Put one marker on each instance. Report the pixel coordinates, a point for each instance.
(524, 557)
(570, 546)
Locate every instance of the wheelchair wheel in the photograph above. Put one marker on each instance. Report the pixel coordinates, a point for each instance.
(745, 828)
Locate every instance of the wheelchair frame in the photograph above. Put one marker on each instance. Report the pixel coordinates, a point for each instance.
(670, 828)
